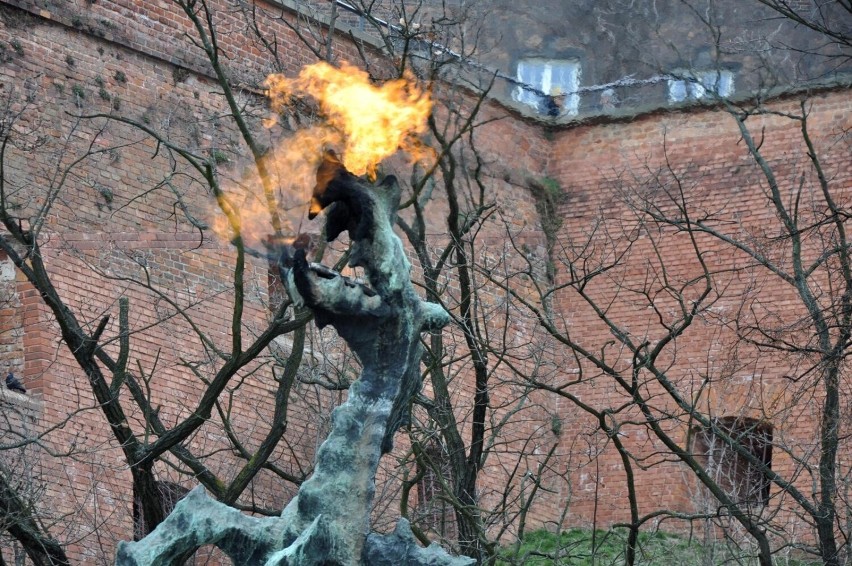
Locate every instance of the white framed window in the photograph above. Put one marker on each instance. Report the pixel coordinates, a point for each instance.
(549, 86)
(692, 85)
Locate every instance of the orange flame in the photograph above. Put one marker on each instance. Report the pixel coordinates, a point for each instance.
(363, 122)
(374, 121)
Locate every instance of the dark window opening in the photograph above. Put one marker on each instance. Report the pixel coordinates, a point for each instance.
(170, 493)
(741, 478)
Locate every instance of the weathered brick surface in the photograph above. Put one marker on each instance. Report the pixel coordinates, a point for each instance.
(607, 171)
(116, 217)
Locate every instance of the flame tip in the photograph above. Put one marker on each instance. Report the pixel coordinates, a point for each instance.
(374, 121)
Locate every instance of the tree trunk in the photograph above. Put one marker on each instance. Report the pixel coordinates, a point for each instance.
(147, 503)
(42, 549)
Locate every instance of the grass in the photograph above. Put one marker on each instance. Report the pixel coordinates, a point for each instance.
(574, 547)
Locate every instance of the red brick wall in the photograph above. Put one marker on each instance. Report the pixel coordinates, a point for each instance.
(112, 218)
(115, 218)
(604, 167)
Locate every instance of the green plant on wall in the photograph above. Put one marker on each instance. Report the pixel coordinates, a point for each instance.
(79, 95)
(107, 196)
(179, 74)
(548, 196)
(218, 156)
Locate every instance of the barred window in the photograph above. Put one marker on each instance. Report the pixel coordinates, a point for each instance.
(742, 479)
(549, 86)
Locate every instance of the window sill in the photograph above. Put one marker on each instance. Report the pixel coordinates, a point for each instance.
(20, 400)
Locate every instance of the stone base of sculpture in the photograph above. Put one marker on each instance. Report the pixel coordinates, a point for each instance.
(200, 520)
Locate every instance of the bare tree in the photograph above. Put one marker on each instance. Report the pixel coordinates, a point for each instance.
(489, 376)
(831, 20)
(454, 435)
(142, 330)
(676, 292)
(104, 333)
